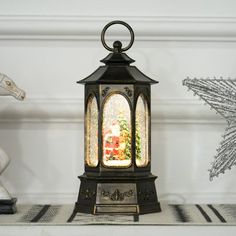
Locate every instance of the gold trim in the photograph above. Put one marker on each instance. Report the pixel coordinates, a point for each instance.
(116, 209)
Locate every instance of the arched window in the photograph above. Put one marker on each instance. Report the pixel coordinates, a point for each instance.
(142, 132)
(116, 131)
(92, 132)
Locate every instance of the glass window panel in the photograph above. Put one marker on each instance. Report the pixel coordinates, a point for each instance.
(116, 130)
(92, 132)
(142, 132)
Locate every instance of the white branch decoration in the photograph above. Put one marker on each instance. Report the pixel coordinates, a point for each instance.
(220, 94)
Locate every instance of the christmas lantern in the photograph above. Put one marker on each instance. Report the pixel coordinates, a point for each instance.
(117, 176)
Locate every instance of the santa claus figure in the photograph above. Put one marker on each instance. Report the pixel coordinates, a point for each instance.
(114, 142)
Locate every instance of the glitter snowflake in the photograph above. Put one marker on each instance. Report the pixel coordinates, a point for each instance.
(220, 94)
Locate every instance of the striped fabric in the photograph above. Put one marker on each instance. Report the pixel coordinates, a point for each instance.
(170, 215)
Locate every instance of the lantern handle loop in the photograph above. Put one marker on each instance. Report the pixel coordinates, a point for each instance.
(117, 45)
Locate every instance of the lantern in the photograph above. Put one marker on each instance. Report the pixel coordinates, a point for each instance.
(117, 176)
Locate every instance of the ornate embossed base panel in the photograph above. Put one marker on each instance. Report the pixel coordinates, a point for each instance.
(124, 195)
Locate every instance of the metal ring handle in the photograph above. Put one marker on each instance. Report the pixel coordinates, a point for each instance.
(114, 23)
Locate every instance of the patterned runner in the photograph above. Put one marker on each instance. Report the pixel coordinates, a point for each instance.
(171, 215)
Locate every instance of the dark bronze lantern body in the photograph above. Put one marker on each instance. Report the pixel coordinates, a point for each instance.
(117, 176)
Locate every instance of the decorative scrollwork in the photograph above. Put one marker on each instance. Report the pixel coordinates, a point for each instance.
(117, 195)
(88, 194)
(146, 194)
(104, 91)
(128, 91)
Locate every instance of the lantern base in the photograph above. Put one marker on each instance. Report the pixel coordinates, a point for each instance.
(117, 195)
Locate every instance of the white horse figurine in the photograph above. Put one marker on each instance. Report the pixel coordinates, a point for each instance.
(7, 88)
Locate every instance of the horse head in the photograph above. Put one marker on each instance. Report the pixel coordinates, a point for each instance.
(9, 88)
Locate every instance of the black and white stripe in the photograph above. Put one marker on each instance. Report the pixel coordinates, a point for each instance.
(180, 213)
(40, 213)
(217, 213)
(204, 214)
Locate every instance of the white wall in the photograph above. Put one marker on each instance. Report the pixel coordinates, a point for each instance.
(46, 46)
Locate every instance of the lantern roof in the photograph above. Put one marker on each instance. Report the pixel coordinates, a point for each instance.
(117, 70)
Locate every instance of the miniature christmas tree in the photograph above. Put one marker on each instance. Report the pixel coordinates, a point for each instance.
(138, 142)
(125, 138)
